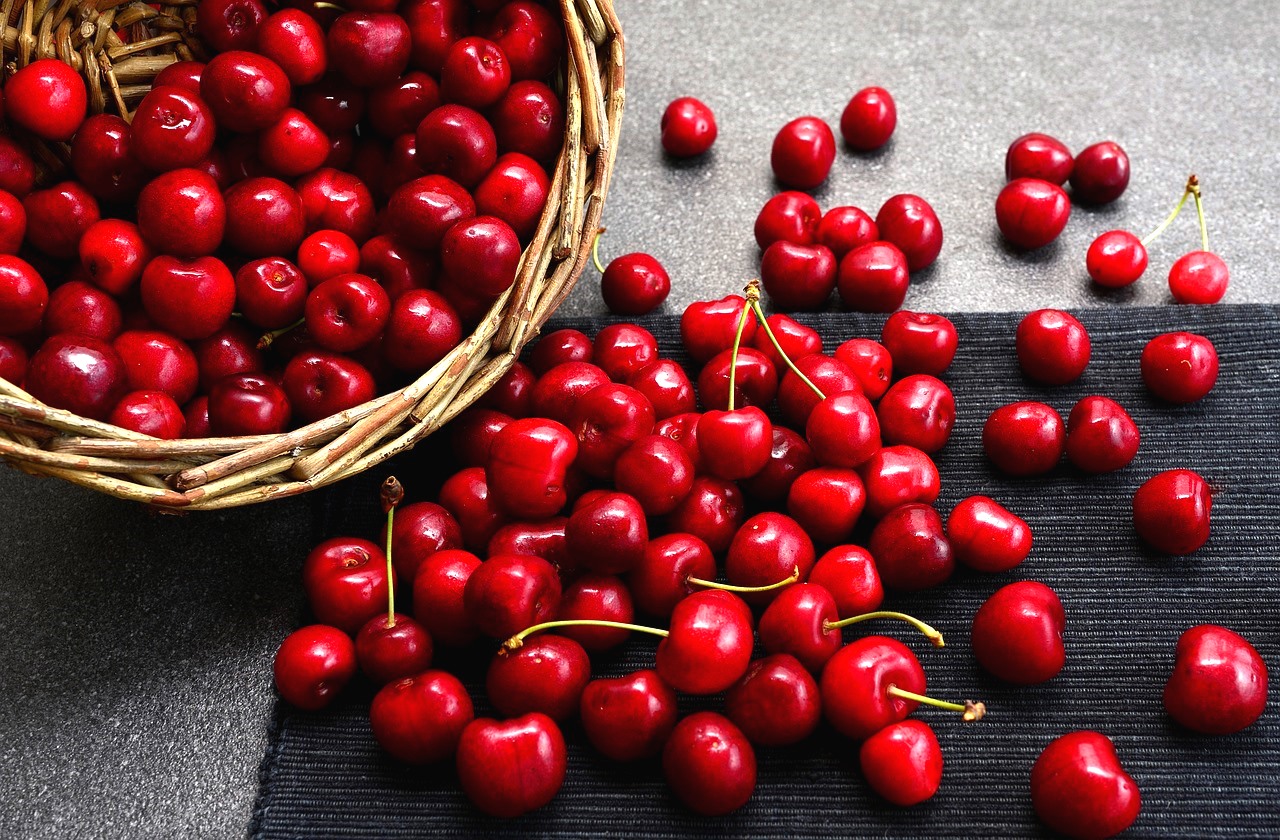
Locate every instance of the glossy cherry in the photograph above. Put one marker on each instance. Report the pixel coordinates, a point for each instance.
(709, 764)
(1171, 511)
(320, 384)
(515, 191)
(293, 145)
(557, 391)
(1219, 682)
(1199, 277)
(475, 73)
(421, 330)
(843, 430)
(918, 411)
(172, 128)
(419, 531)
(776, 703)
(1053, 347)
(1100, 174)
(13, 365)
(662, 578)
(482, 254)
(530, 35)
(313, 665)
(151, 413)
(182, 213)
(245, 91)
(510, 592)
(601, 598)
(844, 229)
(457, 142)
(340, 201)
(873, 278)
(346, 582)
(709, 646)
(1017, 633)
(768, 548)
(688, 127)
(622, 350)
(795, 339)
(986, 536)
(1101, 436)
(634, 284)
(13, 223)
(867, 122)
(547, 674)
(666, 386)
(713, 511)
(369, 49)
(849, 573)
(735, 444)
(856, 682)
(827, 502)
(438, 590)
(57, 218)
(707, 327)
(1032, 213)
(909, 222)
(798, 623)
(789, 458)
(607, 534)
(911, 548)
(1080, 789)
(798, 277)
(420, 719)
(114, 254)
(802, 153)
(24, 296)
(248, 404)
(296, 42)
(871, 365)
(1024, 438)
(1116, 259)
(511, 767)
(789, 216)
(529, 119)
(606, 420)
(919, 342)
(657, 472)
(903, 762)
(390, 648)
(347, 312)
(628, 718)
(898, 475)
(1179, 367)
(1038, 156)
(48, 98)
(78, 307)
(80, 374)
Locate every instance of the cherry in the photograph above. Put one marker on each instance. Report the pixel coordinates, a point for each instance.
(425, 209)
(607, 534)
(181, 213)
(598, 597)
(624, 349)
(911, 549)
(657, 472)
(529, 119)
(918, 411)
(369, 49)
(1219, 682)
(1024, 438)
(545, 539)
(803, 151)
(77, 307)
(475, 73)
(482, 254)
(1171, 511)
(515, 191)
(909, 222)
(320, 384)
(80, 374)
(13, 223)
(171, 129)
(1101, 436)
(1038, 156)
(844, 229)
(23, 296)
(735, 444)
(421, 330)
(873, 278)
(531, 37)
(707, 327)
(606, 420)
(265, 216)
(858, 685)
(668, 389)
(688, 128)
(420, 719)
(1100, 174)
(634, 284)
(438, 588)
(327, 253)
(114, 254)
(419, 531)
(196, 413)
(509, 592)
(797, 397)
(245, 91)
(335, 106)
(1198, 277)
(513, 393)
(271, 293)
(48, 98)
(548, 674)
(151, 413)
(248, 404)
(295, 41)
(293, 145)
(347, 312)
(849, 573)
(795, 340)
(776, 703)
(13, 365)
(1053, 347)
(919, 342)
(789, 458)
(1017, 633)
(1032, 213)
(843, 430)
(709, 764)
(683, 429)
(340, 201)
(801, 623)
(872, 367)
(230, 350)
(769, 548)
(556, 392)
(18, 170)
(986, 537)
(472, 434)
(1116, 259)
(457, 142)
(559, 347)
(1179, 367)
(230, 24)
(181, 74)
(628, 718)
(1079, 789)
(898, 475)
(511, 767)
(754, 379)
(790, 216)
(346, 582)
(867, 122)
(58, 217)
(713, 511)
(433, 26)
(662, 578)
(392, 647)
(313, 665)
(827, 502)
(798, 276)
(903, 762)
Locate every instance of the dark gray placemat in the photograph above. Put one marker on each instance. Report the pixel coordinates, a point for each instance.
(324, 776)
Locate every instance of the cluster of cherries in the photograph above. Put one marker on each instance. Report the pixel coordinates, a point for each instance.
(318, 213)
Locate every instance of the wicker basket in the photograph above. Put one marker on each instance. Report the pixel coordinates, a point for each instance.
(208, 473)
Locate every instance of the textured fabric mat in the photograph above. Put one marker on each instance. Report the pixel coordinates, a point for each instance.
(324, 776)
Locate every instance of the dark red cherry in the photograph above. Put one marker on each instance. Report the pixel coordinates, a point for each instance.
(392, 650)
(1219, 682)
(768, 548)
(515, 191)
(911, 549)
(843, 430)
(248, 404)
(420, 719)
(313, 665)
(796, 399)
(172, 128)
(1100, 174)
(789, 458)
(871, 365)
(628, 718)
(529, 119)
(634, 284)
(294, 40)
(713, 511)
(918, 411)
(557, 391)
(606, 420)
(898, 475)
(369, 49)
(797, 623)
(346, 582)
(77, 307)
(735, 444)
(666, 386)
(182, 213)
(1038, 156)
(559, 347)
(438, 589)
(245, 91)
(1024, 438)
(607, 534)
(509, 592)
(347, 312)
(24, 296)
(796, 340)
(709, 764)
(546, 674)
(457, 142)
(903, 762)
(57, 218)
(1101, 436)
(657, 472)
(755, 379)
(1171, 511)
(798, 277)
(661, 580)
(530, 35)
(320, 384)
(985, 536)
(475, 73)
(788, 217)
(776, 703)
(151, 413)
(621, 350)
(596, 597)
(844, 229)
(78, 373)
(265, 216)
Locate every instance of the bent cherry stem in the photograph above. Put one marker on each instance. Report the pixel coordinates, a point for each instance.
(595, 250)
(391, 494)
(517, 641)
(1192, 189)
(929, 632)
(729, 587)
(269, 338)
(737, 341)
(752, 292)
(970, 710)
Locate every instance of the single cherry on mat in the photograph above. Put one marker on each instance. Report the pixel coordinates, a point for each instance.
(1053, 346)
(1171, 511)
(776, 702)
(508, 768)
(1017, 633)
(1101, 436)
(1219, 682)
(1024, 438)
(547, 674)
(903, 762)
(709, 764)
(803, 151)
(418, 719)
(986, 536)
(1032, 213)
(911, 549)
(1080, 789)
(868, 120)
(1179, 367)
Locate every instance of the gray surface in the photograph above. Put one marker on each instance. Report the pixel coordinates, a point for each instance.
(135, 679)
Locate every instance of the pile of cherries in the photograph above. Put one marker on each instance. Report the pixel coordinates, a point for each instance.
(317, 214)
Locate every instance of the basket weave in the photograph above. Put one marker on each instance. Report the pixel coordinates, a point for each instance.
(210, 473)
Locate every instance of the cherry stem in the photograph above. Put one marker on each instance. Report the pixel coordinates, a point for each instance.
(754, 303)
(970, 710)
(737, 343)
(729, 587)
(517, 641)
(391, 494)
(595, 250)
(269, 339)
(1204, 229)
(1192, 188)
(929, 632)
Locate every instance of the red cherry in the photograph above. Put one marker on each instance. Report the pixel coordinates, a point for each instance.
(776, 703)
(369, 49)
(557, 391)
(531, 37)
(1100, 173)
(802, 153)
(843, 430)
(908, 222)
(557, 348)
(634, 284)
(735, 444)
(707, 327)
(347, 312)
(844, 229)
(1024, 438)
(230, 24)
(510, 592)
(320, 384)
(827, 502)
(295, 41)
(421, 331)
(657, 471)
(265, 216)
(666, 386)
(1198, 277)
(48, 98)
(850, 575)
(457, 142)
(1101, 436)
(1053, 347)
(1116, 259)
(688, 128)
(171, 129)
(683, 429)
(798, 276)
(755, 379)
(1017, 633)
(788, 217)
(797, 400)
(397, 107)
(898, 475)
(327, 253)
(420, 719)
(13, 365)
(1079, 789)
(392, 650)
(873, 278)
(796, 340)
(661, 579)
(919, 342)
(1038, 156)
(421, 530)
(855, 684)
(608, 533)
(917, 411)
(1171, 511)
(709, 646)
(985, 536)
(1179, 367)
(346, 582)
(271, 293)
(529, 118)
(245, 91)
(515, 191)
(77, 307)
(230, 350)
(600, 598)
(151, 413)
(13, 223)
(512, 767)
(58, 217)
(628, 718)
(475, 73)
(1032, 213)
(797, 623)
(339, 201)
(438, 588)
(18, 170)
(481, 254)
(158, 361)
(248, 404)
(622, 350)
(713, 512)
(80, 374)
(867, 122)
(313, 665)
(191, 299)
(23, 296)
(1219, 682)
(768, 548)
(789, 458)
(293, 145)
(871, 365)
(114, 254)
(911, 549)
(547, 674)
(182, 214)
(425, 209)
(903, 762)
(709, 764)
(606, 420)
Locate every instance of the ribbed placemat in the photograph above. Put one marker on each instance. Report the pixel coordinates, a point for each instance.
(324, 776)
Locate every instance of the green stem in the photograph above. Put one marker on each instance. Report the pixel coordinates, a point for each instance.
(595, 251)
(391, 494)
(269, 339)
(729, 587)
(929, 633)
(517, 641)
(764, 324)
(733, 357)
(1191, 188)
(970, 709)
(1204, 229)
